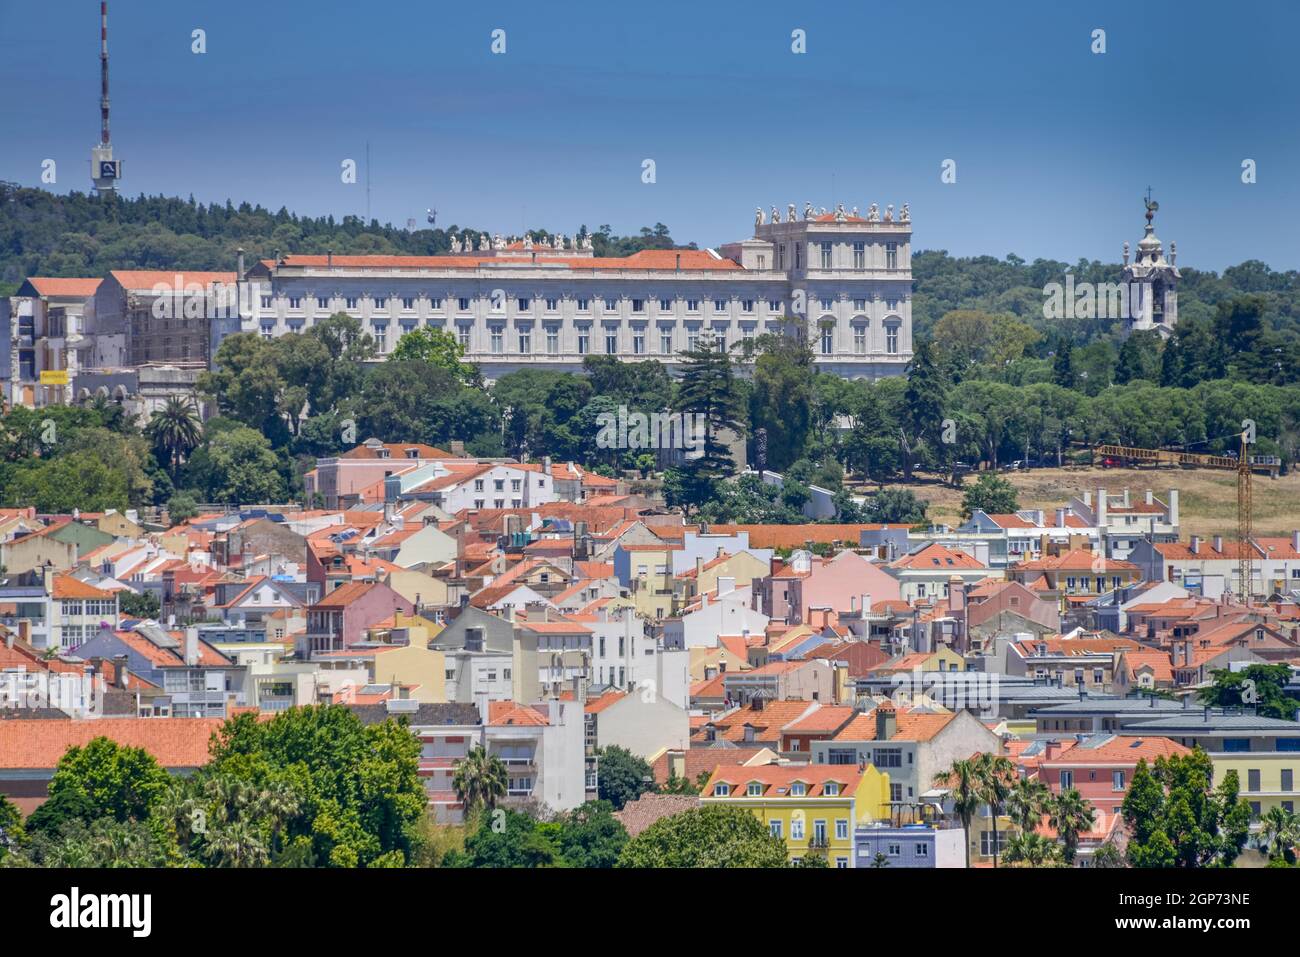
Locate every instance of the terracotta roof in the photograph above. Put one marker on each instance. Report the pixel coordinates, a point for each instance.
(149, 278)
(1077, 559)
(1119, 750)
(638, 815)
(794, 536)
(344, 595)
(69, 288)
(40, 743)
(937, 557)
(776, 779)
(513, 713)
(65, 586)
(397, 451)
(912, 726)
(692, 259)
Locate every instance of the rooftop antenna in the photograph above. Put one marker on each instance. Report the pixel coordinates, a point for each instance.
(104, 170)
(367, 182)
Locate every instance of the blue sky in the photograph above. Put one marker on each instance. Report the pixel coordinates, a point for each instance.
(1054, 145)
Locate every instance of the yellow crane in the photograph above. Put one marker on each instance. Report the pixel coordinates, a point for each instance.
(1245, 465)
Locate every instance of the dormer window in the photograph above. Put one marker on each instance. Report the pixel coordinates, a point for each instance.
(798, 789)
(831, 789)
(754, 790)
(721, 790)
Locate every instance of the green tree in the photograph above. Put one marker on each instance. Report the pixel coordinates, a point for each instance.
(781, 399)
(896, 506)
(590, 836)
(479, 780)
(121, 782)
(964, 780)
(709, 836)
(361, 794)
(175, 431)
(144, 604)
(924, 401)
(996, 776)
(1261, 686)
(1176, 819)
(182, 507)
(1032, 850)
(241, 468)
(11, 827)
(436, 347)
(508, 838)
(622, 776)
(1279, 834)
(1070, 815)
(991, 494)
(708, 389)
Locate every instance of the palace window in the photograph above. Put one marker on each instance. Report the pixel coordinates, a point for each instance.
(826, 255)
(859, 255)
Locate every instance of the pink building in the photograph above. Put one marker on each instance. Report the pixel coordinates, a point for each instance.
(1101, 767)
(847, 582)
(340, 619)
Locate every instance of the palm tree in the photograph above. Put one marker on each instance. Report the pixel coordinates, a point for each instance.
(175, 430)
(1032, 850)
(995, 776)
(1027, 803)
(238, 845)
(1279, 834)
(480, 779)
(963, 781)
(279, 804)
(1070, 815)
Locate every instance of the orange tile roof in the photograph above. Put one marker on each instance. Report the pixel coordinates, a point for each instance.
(794, 536)
(1120, 750)
(939, 557)
(39, 743)
(1076, 559)
(147, 279)
(776, 779)
(514, 713)
(912, 726)
(659, 259)
(54, 286)
(65, 586)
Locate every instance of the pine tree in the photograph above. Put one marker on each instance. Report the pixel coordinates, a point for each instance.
(708, 389)
(924, 399)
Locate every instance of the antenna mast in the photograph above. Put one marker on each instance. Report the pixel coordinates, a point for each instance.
(104, 170)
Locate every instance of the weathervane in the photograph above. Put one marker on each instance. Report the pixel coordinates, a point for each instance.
(1151, 205)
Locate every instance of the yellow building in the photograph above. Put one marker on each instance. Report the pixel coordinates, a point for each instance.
(812, 807)
(1266, 779)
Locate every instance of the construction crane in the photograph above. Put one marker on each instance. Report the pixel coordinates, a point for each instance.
(1244, 464)
(1245, 519)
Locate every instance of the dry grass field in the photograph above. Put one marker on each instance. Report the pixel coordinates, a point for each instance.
(1207, 498)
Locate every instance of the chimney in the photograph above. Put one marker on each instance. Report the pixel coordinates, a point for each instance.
(1051, 749)
(1173, 507)
(1127, 502)
(481, 701)
(9, 639)
(546, 465)
(886, 724)
(1218, 543)
(956, 594)
(1150, 498)
(1101, 507)
(699, 569)
(121, 674)
(329, 259)
(239, 263)
(1060, 518)
(866, 604)
(1195, 546)
(191, 646)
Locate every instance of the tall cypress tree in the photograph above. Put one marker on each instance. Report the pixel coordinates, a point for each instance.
(926, 393)
(708, 389)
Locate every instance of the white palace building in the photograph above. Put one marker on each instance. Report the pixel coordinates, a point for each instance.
(846, 278)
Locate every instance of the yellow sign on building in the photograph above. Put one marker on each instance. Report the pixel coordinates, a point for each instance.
(54, 377)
